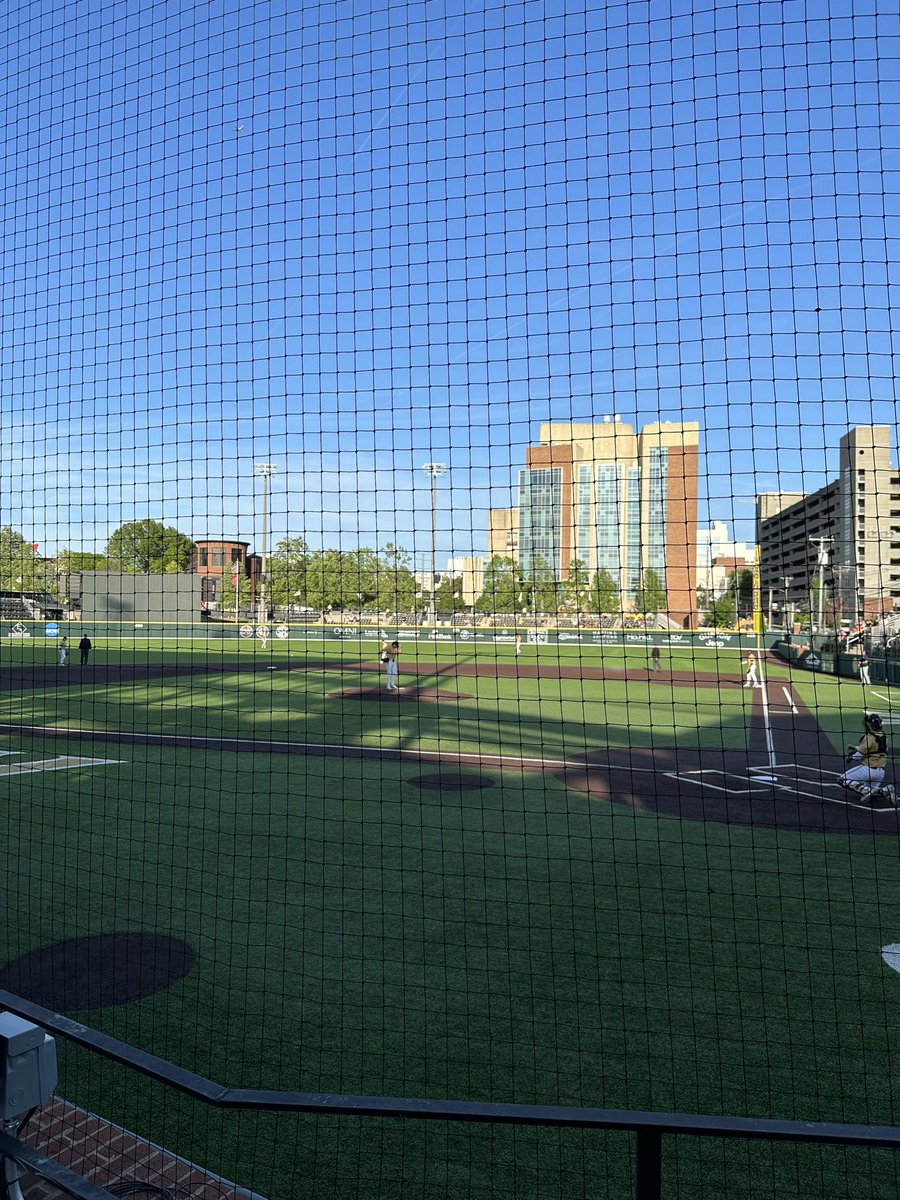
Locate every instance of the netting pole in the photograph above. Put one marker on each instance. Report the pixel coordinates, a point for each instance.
(648, 1165)
(9, 1168)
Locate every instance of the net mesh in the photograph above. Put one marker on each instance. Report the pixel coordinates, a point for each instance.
(449, 541)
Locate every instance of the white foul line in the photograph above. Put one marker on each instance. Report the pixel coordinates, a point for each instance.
(787, 696)
(770, 744)
(475, 757)
(62, 762)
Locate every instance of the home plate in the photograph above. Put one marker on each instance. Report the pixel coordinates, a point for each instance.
(891, 955)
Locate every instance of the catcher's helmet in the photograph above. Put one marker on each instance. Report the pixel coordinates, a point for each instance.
(874, 721)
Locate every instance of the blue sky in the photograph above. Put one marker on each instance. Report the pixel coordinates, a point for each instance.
(350, 238)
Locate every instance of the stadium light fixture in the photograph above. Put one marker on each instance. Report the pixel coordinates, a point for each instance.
(266, 471)
(787, 580)
(823, 547)
(435, 470)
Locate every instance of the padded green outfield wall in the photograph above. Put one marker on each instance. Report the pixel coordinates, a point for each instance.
(213, 631)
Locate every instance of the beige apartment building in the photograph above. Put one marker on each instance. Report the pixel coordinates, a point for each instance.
(854, 520)
(503, 533)
(613, 499)
(470, 571)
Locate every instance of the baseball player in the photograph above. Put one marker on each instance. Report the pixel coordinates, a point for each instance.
(868, 759)
(751, 679)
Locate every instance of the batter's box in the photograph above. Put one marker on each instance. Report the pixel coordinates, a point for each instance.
(762, 781)
(723, 781)
(802, 772)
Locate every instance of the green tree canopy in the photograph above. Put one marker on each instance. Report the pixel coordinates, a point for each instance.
(721, 613)
(398, 590)
(502, 587)
(149, 547)
(448, 597)
(286, 569)
(578, 587)
(651, 595)
(544, 587)
(341, 579)
(740, 584)
(80, 560)
(604, 598)
(20, 568)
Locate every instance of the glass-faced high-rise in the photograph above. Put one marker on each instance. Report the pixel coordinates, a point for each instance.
(615, 501)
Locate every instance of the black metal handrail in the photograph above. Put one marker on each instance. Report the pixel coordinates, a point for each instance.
(649, 1127)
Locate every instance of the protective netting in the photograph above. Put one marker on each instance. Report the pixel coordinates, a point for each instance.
(449, 542)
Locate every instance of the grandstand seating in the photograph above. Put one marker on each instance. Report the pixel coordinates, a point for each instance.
(12, 608)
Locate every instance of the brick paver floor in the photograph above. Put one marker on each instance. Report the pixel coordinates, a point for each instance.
(104, 1154)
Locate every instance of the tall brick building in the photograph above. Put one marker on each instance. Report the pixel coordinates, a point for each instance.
(615, 500)
(213, 561)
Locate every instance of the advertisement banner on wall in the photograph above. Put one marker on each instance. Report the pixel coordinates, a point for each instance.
(369, 635)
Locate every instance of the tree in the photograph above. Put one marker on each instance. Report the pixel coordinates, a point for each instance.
(323, 579)
(651, 595)
(543, 586)
(20, 569)
(578, 586)
(502, 587)
(74, 561)
(229, 596)
(604, 595)
(721, 613)
(286, 569)
(145, 547)
(740, 584)
(448, 597)
(361, 574)
(398, 590)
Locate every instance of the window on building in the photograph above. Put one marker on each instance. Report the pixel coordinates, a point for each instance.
(204, 558)
(237, 555)
(218, 558)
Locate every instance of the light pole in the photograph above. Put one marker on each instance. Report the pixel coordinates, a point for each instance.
(788, 614)
(823, 549)
(435, 470)
(265, 470)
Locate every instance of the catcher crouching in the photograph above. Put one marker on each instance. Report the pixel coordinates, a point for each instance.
(868, 759)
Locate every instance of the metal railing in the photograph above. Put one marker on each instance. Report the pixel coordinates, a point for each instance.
(649, 1128)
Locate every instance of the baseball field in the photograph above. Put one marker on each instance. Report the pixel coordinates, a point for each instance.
(558, 877)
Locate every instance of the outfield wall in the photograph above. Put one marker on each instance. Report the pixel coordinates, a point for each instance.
(125, 596)
(214, 632)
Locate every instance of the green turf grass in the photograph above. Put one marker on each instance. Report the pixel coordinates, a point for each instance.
(521, 942)
(546, 717)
